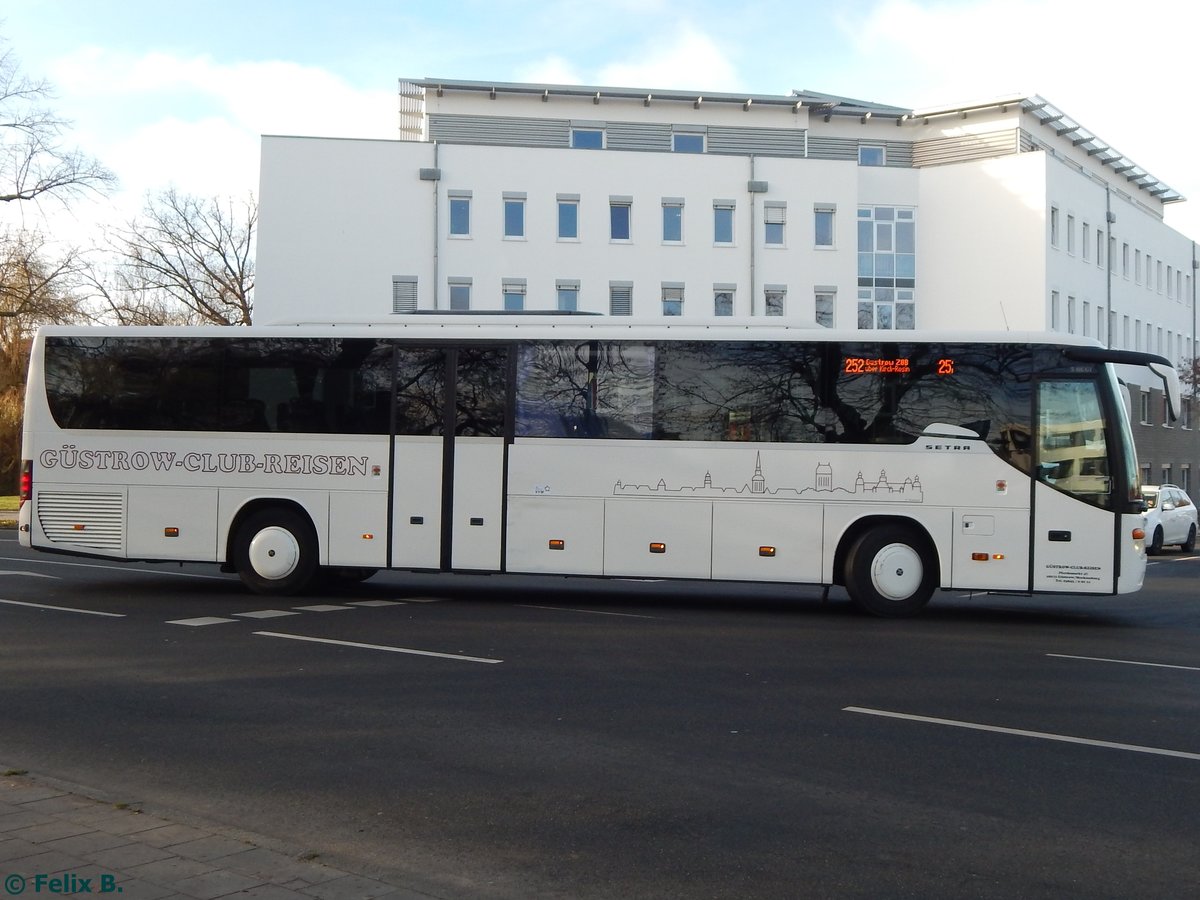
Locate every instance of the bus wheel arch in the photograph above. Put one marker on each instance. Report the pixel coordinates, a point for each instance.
(273, 547)
(888, 565)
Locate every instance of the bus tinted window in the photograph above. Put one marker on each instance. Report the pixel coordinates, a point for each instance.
(420, 390)
(325, 386)
(785, 392)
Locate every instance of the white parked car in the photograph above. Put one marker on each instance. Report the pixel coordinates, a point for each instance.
(1170, 518)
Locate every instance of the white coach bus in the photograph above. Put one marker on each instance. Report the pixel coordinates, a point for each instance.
(890, 464)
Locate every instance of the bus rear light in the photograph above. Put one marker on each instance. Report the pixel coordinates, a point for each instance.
(766, 551)
(26, 480)
(558, 545)
(1139, 534)
(170, 532)
(656, 547)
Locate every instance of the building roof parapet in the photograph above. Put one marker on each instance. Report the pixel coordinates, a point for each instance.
(1047, 115)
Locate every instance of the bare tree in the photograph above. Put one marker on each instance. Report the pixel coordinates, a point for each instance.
(185, 254)
(34, 161)
(35, 288)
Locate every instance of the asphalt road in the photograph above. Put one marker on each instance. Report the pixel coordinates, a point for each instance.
(499, 737)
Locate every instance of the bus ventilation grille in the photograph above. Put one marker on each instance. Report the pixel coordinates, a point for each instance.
(83, 520)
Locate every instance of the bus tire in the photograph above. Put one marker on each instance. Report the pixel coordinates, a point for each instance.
(1155, 546)
(890, 572)
(275, 552)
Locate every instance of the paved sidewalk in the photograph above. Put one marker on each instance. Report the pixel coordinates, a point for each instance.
(55, 841)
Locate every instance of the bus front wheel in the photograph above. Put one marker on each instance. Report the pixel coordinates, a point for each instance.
(890, 572)
(275, 552)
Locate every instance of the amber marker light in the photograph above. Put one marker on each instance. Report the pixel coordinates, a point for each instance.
(658, 548)
(170, 532)
(766, 551)
(558, 545)
(1139, 534)
(367, 536)
(980, 557)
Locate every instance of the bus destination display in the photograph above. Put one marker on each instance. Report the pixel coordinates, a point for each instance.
(864, 365)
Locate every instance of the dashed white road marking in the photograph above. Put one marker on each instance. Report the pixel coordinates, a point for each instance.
(86, 612)
(27, 574)
(356, 644)
(200, 620)
(113, 568)
(1019, 732)
(375, 603)
(1124, 662)
(592, 612)
(322, 607)
(267, 613)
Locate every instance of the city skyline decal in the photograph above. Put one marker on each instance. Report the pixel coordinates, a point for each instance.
(881, 489)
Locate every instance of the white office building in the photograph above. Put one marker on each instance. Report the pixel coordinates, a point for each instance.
(1004, 214)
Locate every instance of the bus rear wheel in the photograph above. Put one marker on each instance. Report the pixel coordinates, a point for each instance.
(890, 572)
(275, 552)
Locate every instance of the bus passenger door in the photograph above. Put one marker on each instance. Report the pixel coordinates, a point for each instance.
(417, 457)
(449, 459)
(1073, 519)
(474, 492)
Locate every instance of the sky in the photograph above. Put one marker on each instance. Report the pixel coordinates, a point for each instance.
(178, 94)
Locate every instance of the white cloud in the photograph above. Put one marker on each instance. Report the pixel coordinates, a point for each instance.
(1109, 70)
(692, 59)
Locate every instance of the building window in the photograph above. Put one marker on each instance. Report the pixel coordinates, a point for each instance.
(826, 302)
(775, 299)
(1070, 315)
(1071, 235)
(1166, 413)
(887, 264)
(1144, 408)
(1125, 260)
(1166, 475)
(871, 155)
(1087, 241)
(460, 215)
(687, 142)
(568, 295)
(775, 218)
(620, 298)
(823, 221)
(619, 211)
(1054, 226)
(1145, 473)
(672, 300)
(460, 293)
(1099, 248)
(1185, 478)
(1101, 323)
(514, 216)
(1137, 266)
(1087, 318)
(514, 294)
(568, 218)
(672, 221)
(587, 138)
(404, 293)
(723, 221)
(722, 300)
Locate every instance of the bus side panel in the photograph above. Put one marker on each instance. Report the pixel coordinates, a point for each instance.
(658, 538)
(172, 523)
(767, 541)
(990, 549)
(563, 535)
(78, 518)
(358, 529)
